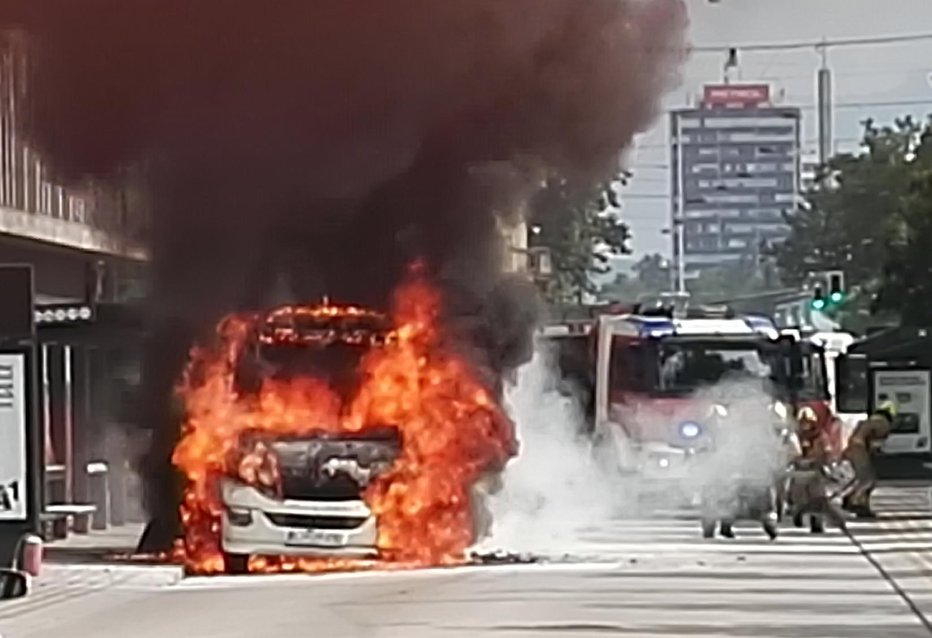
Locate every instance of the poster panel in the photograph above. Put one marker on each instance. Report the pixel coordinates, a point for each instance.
(13, 438)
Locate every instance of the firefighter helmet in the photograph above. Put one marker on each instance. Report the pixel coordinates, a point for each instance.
(807, 415)
(887, 409)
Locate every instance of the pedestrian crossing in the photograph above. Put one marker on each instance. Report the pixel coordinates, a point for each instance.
(904, 523)
(653, 577)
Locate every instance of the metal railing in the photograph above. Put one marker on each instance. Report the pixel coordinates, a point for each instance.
(27, 186)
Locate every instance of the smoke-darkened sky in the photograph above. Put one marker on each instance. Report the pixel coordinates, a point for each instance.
(330, 143)
(307, 136)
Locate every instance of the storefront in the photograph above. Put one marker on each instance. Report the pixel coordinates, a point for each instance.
(68, 371)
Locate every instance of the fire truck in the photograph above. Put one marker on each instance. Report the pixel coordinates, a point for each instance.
(645, 378)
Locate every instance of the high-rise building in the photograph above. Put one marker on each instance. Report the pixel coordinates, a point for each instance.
(736, 173)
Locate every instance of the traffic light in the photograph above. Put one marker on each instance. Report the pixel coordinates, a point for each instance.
(836, 287)
(828, 290)
(818, 298)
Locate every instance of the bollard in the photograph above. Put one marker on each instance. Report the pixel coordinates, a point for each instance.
(32, 555)
(118, 473)
(98, 485)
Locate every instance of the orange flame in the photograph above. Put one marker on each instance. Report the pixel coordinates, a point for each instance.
(452, 431)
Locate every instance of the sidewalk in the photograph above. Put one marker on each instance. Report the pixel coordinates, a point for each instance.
(96, 546)
(62, 584)
(86, 565)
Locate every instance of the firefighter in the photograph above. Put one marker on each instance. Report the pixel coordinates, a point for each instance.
(808, 491)
(746, 492)
(867, 438)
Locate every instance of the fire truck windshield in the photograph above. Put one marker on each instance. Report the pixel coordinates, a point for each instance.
(687, 365)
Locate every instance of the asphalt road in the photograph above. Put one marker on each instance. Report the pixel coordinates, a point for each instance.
(652, 578)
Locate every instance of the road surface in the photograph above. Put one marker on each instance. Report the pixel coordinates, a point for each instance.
(652, 578)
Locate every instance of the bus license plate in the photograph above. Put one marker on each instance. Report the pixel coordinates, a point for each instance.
(316, 538)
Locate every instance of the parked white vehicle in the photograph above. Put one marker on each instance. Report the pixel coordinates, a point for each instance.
(834, 345)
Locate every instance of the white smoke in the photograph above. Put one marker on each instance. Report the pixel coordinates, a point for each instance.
(554, 488)
(559, 485)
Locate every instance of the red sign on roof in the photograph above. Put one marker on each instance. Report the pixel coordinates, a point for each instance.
(736, 95)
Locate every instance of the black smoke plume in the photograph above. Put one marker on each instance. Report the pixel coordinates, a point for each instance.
(331, 142)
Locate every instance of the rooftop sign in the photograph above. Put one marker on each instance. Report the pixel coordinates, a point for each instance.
(736, 95)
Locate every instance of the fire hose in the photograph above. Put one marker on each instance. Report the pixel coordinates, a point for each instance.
(840, 520)
(891, 581)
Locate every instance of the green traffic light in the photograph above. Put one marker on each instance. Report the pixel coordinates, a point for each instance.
(818, 304)
(836, 297)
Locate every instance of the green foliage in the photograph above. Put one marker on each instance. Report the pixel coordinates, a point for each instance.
(651, 276)
(653, 273)
(579, 224)
(907, 280)
(870, 215)
(746, 277)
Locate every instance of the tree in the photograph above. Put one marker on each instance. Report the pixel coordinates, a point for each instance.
(579, 224)
(725, 282)
(869, 215)
(653, 273)
(907, 275)
(651, 276)
(623, 288)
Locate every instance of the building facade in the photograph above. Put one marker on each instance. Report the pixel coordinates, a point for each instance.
(85, 244)
(73, 234)
(735, 174)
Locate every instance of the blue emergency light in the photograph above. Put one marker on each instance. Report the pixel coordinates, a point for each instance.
(690, 430)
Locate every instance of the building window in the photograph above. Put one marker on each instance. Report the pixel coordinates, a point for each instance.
(700, 213)
(732, 199)
(759, 137)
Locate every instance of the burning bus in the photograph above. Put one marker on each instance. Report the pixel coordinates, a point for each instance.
(319, 436)
(302, 493)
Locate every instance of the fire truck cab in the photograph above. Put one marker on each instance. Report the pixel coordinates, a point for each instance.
(655, 372)
(647, 380)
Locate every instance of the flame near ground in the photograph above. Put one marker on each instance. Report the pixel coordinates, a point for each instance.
(452, 429)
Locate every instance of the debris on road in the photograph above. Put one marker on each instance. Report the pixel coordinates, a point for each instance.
(505, 558)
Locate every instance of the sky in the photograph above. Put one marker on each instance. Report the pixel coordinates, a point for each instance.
(899, 72)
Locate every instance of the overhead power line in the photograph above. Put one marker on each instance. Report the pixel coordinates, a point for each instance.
(813, 44)
(856, 105)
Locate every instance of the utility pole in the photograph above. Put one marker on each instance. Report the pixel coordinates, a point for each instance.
(824, 94)
(679, 215)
